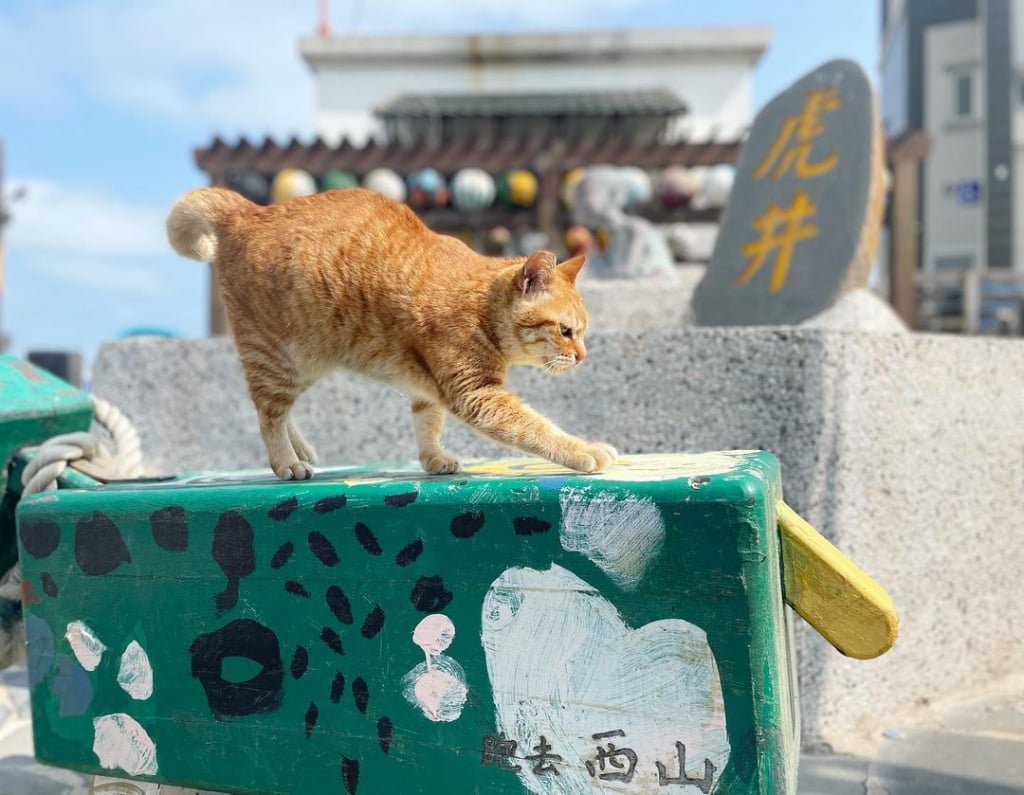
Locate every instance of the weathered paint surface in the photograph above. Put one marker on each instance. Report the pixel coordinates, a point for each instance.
(87, 647)
(648, 688)
(346, 634)
(621, 533)
(136, 674)
(120, 742)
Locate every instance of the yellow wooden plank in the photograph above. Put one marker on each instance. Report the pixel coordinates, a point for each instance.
(831, 593)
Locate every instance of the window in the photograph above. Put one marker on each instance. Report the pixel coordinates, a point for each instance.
(954, 262)
(963, 95)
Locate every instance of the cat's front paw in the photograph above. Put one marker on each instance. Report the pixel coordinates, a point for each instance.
(296, 470)
(593, 457)
(440, 463)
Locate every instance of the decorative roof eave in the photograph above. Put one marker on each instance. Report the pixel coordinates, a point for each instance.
(524, 151)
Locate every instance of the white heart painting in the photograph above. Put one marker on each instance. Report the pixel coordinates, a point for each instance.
(623, 710)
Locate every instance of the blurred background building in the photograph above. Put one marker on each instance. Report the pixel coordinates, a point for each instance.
(488, 137)
(955, 69)
(710, 69)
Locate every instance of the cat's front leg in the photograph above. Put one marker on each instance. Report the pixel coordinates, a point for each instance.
(303, 449)
(497, 413)
(427, 422)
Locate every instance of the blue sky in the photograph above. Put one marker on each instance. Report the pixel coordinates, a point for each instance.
(102, 103)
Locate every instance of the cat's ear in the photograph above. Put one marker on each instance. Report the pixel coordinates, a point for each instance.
(571, 267)
(535, 277)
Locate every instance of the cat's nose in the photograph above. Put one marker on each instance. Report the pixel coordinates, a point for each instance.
(581, 354)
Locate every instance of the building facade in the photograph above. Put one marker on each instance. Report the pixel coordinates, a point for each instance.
(955, 69)
(536, 108)
(711, 69)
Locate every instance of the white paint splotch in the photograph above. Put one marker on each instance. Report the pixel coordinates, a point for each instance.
(120, 742)
(437, 686)
(564, 666)
(136, 674)
(87, 647)
(434, 634)
(620, 533)
(439, 691)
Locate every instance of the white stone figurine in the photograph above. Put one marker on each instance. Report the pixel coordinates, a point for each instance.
(635, 247)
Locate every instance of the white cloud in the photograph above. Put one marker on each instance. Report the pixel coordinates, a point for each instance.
(231, 66)
(59, 219)
(111, 276)
(189, 63)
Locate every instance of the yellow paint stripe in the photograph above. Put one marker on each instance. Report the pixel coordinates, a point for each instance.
(848, 608)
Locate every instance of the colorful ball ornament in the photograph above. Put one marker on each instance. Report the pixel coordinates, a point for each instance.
(517, 188)
(639, 189)
(336, 179)
(473, 189)
(677, 187)
(385, 182)
(719, 184)
(251, 184)
(427, 188)
(568, 190)
(290, 183)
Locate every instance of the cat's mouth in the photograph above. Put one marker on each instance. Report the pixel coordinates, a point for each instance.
(559, 363)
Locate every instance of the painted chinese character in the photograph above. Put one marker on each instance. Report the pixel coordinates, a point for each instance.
(499, 751)
(703, 784)
(779, 229)
(543, 761)
(792, 149)
(612, 755)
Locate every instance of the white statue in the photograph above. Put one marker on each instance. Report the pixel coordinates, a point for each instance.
(635, 247)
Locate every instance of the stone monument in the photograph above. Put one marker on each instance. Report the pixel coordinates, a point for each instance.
(802, 224)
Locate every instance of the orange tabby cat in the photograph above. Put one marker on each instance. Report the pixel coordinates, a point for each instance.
(350, 278)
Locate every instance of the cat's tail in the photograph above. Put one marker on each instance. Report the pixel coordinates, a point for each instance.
(193, 222)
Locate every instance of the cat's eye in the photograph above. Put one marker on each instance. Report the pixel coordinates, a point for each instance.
(567, 332)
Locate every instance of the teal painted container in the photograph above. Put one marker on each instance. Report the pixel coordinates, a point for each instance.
(514, 629)
(34, 406)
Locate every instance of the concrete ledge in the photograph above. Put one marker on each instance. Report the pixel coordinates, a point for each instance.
(906, 450)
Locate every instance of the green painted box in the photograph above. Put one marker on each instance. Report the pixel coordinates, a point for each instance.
(514, 629)
(34, 406)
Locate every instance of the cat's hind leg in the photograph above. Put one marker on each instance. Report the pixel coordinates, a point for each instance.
(428, 421)
(274, 386)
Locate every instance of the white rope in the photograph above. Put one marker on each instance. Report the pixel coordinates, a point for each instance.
(52, 457)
